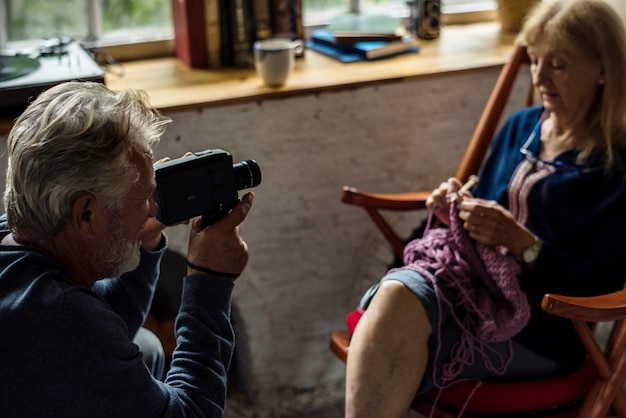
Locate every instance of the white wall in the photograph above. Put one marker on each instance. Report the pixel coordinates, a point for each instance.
(311, 256)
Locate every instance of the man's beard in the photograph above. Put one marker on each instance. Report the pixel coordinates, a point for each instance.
(119, 254)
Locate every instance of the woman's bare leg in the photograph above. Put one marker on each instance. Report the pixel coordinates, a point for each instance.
(388, 354)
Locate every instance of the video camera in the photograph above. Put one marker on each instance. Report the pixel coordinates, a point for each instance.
(205, 183)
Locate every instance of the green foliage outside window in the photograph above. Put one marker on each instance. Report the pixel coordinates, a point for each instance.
(37, 19)
(135, 13)
(32, 19)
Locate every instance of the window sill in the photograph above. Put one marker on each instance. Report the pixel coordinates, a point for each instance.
(173, 86)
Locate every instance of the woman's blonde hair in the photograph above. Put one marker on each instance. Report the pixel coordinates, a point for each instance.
(590, 27)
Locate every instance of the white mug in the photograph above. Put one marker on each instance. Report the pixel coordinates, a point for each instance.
(274, 59)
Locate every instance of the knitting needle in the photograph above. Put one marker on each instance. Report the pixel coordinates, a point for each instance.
(469, 185)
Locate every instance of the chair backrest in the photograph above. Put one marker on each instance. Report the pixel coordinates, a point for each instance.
(492, 114)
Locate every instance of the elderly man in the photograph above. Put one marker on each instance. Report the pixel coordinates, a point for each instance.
(80, 209)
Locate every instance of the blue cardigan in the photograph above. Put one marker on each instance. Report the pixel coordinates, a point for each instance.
(67, 350)
(580, 215)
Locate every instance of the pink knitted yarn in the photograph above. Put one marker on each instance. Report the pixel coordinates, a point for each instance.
(491, 304)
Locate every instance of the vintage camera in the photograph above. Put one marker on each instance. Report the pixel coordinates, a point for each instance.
(426, 18)
(205, 183)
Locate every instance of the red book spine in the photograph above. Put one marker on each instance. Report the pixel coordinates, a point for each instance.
(189, 32)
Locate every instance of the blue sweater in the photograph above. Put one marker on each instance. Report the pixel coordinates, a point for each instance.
(580, 215)
(67, 351)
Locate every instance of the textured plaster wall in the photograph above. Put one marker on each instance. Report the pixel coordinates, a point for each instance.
(311, 257)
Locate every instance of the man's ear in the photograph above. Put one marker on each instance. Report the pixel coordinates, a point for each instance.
(84, 213)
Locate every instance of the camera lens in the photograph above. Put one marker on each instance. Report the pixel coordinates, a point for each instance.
(247, 174)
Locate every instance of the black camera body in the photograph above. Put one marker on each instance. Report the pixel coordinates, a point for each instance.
(205, 183)
(426, 18)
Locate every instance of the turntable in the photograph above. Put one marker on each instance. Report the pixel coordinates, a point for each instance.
(24, 75)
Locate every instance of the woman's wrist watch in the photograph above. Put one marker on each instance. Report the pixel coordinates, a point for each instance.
(530, 253)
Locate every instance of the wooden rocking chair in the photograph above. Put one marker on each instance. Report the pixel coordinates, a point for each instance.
(590, 392)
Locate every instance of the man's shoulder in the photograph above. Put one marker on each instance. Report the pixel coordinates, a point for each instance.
(33, 280)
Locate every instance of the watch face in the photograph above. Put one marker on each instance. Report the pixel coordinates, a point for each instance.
(530, 254)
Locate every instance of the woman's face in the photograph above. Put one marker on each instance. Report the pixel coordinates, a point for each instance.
(567, 81)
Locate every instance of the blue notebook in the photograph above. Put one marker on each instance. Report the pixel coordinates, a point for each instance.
(323, 41)
(336, 53)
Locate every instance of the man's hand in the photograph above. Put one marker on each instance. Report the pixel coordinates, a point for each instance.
(150, 235)
(219, 247)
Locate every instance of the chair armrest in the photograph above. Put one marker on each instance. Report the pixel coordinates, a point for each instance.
(373, 202)
(385, 201)
(339, 343)
(608, 307)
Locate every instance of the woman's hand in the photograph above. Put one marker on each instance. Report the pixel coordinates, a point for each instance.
(439, 201)
(491, 224)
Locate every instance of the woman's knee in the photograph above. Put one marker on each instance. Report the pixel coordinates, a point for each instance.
(396, 304)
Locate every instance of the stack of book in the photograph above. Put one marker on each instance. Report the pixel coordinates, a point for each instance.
(351, 38)
(220, 33)
(355, 48)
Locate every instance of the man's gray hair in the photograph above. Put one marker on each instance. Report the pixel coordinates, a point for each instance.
(75, 138)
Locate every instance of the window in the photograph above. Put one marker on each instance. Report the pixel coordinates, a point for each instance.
(460, 6)
(138, 21)
(37, 19)
(318, 12)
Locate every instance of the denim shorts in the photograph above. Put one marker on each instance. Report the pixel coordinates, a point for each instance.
(446, 333)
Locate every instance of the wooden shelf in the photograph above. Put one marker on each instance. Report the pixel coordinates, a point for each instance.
(173, 86)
